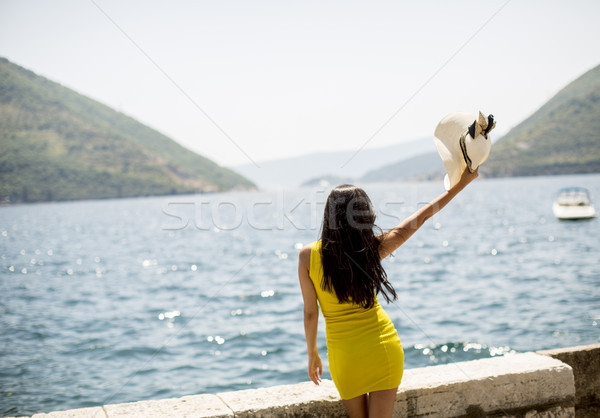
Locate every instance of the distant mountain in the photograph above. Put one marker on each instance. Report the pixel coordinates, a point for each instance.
(425, 166)
(294, 171)
(328, 181)
(56, 144)
(421, 167)
(562, 137)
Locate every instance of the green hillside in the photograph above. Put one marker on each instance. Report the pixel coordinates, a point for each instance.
(56, 144)
(562, 137)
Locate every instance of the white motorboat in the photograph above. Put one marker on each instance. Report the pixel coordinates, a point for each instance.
(573, 203)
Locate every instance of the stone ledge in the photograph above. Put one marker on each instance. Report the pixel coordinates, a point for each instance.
(521, 385)
(585, 362)
(302, 399)
(187, 406)
(490, 386)
(95, 411)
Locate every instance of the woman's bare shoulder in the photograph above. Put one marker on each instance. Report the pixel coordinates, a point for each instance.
(304, 256)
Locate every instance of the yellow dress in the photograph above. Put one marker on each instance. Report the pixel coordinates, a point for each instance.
(363, 347)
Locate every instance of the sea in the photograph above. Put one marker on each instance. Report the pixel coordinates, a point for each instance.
(121, 300)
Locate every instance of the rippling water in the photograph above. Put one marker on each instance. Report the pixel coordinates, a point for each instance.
(123, 300)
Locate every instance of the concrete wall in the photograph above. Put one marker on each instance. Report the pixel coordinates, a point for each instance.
(533, 385)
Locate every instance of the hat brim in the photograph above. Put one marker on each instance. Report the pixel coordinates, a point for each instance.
(447, 142)
(454, 162)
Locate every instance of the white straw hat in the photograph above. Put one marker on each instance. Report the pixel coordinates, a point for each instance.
(463, 142)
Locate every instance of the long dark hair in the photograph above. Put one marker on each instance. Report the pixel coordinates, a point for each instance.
(350, 250)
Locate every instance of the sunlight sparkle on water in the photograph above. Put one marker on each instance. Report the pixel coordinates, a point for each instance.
(281, 254)
(169, 316)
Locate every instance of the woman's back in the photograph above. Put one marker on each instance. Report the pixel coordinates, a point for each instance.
(363, 346)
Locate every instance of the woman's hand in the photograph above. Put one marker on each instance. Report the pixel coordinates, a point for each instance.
(467, 177)
(315, 368)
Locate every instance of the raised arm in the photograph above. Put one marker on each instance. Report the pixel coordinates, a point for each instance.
(311, 315)
(397, 236)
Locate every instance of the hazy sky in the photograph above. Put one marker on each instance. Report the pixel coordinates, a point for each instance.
(248, 81)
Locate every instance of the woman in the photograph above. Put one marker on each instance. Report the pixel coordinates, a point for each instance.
(342, 273)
